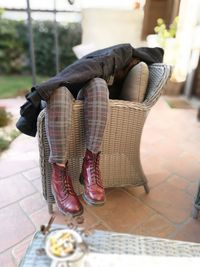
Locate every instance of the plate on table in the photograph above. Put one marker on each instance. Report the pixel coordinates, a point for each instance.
(64, 245)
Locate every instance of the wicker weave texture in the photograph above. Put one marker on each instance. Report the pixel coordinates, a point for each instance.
(116, 243)
(120, 158)
(112, 242)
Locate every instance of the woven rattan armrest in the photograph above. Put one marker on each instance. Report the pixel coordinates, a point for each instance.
(158, 75)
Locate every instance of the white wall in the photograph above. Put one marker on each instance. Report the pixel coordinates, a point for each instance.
(105, 27)
(187, 37)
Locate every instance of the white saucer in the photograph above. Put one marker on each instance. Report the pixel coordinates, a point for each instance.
(78, 253)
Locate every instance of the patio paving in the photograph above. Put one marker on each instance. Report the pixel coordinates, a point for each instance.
(171, 160)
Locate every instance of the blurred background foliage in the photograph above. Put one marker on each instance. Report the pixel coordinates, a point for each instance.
(14, 46)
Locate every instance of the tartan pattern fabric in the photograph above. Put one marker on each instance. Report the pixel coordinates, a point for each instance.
(59, 113)
(58, 122)
(95, 95)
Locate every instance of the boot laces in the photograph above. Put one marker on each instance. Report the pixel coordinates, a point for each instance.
(95, 171)
(66, 183)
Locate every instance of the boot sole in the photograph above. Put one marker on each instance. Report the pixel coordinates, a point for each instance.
(86, 199)
(90, 202)
(63, 212)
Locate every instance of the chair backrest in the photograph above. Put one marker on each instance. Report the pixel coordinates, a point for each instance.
(135, 84)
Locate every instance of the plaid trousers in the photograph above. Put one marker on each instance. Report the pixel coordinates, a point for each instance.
(95, 96)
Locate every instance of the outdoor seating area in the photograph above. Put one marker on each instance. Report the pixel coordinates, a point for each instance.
(99, 133)
(120, 151)
(170, 159)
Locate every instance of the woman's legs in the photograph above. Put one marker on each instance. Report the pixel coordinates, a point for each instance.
(58, 121)
(59, 112)
(57, 124)
(96, 100)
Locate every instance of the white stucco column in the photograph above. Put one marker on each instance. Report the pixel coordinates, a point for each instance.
(106, 27)
(188, 17)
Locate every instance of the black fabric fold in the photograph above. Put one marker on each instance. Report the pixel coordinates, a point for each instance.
(102, 63)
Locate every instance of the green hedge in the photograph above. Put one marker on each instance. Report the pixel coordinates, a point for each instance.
(14, 46)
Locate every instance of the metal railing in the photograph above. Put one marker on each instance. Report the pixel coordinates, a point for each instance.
(28, 10)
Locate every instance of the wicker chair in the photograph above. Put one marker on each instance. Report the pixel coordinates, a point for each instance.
(120, 158)
(196, 207)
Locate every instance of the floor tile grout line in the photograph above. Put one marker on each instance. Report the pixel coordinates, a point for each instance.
(158, 212)
(20, 199)
(30, 180)
(17, 173)
(29, 219)
(182, 177)
(104, 224)
(13, 246)
(177, 226)
(180, 227)
(36, 187)
(90, 211)
(12, 254)
(99, 219)
(154, 214)
(34, 211)
(140, 224)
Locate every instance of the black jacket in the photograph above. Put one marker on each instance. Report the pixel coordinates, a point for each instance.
(101, 63)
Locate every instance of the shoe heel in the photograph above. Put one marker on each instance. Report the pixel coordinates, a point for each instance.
(81, 179)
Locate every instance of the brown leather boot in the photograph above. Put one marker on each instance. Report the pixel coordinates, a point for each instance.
(63, 192)
(94, 193)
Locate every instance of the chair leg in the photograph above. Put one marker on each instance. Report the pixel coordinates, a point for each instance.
(50, 208)
(146, 188)
(195, 213)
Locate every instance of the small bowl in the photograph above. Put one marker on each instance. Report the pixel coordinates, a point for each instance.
(61, 238)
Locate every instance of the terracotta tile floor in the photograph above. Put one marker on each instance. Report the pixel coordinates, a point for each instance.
(170, 151)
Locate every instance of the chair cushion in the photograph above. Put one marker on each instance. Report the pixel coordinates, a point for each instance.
(135, 83)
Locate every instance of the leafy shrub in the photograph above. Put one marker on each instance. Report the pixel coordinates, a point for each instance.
(14, 46)
(12, 49)
(68, 36)
(14, 133)
(6, 137)
(4, 144)
(5, 117)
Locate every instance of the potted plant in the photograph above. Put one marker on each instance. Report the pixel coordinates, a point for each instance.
(165, 37)
(164, 33)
